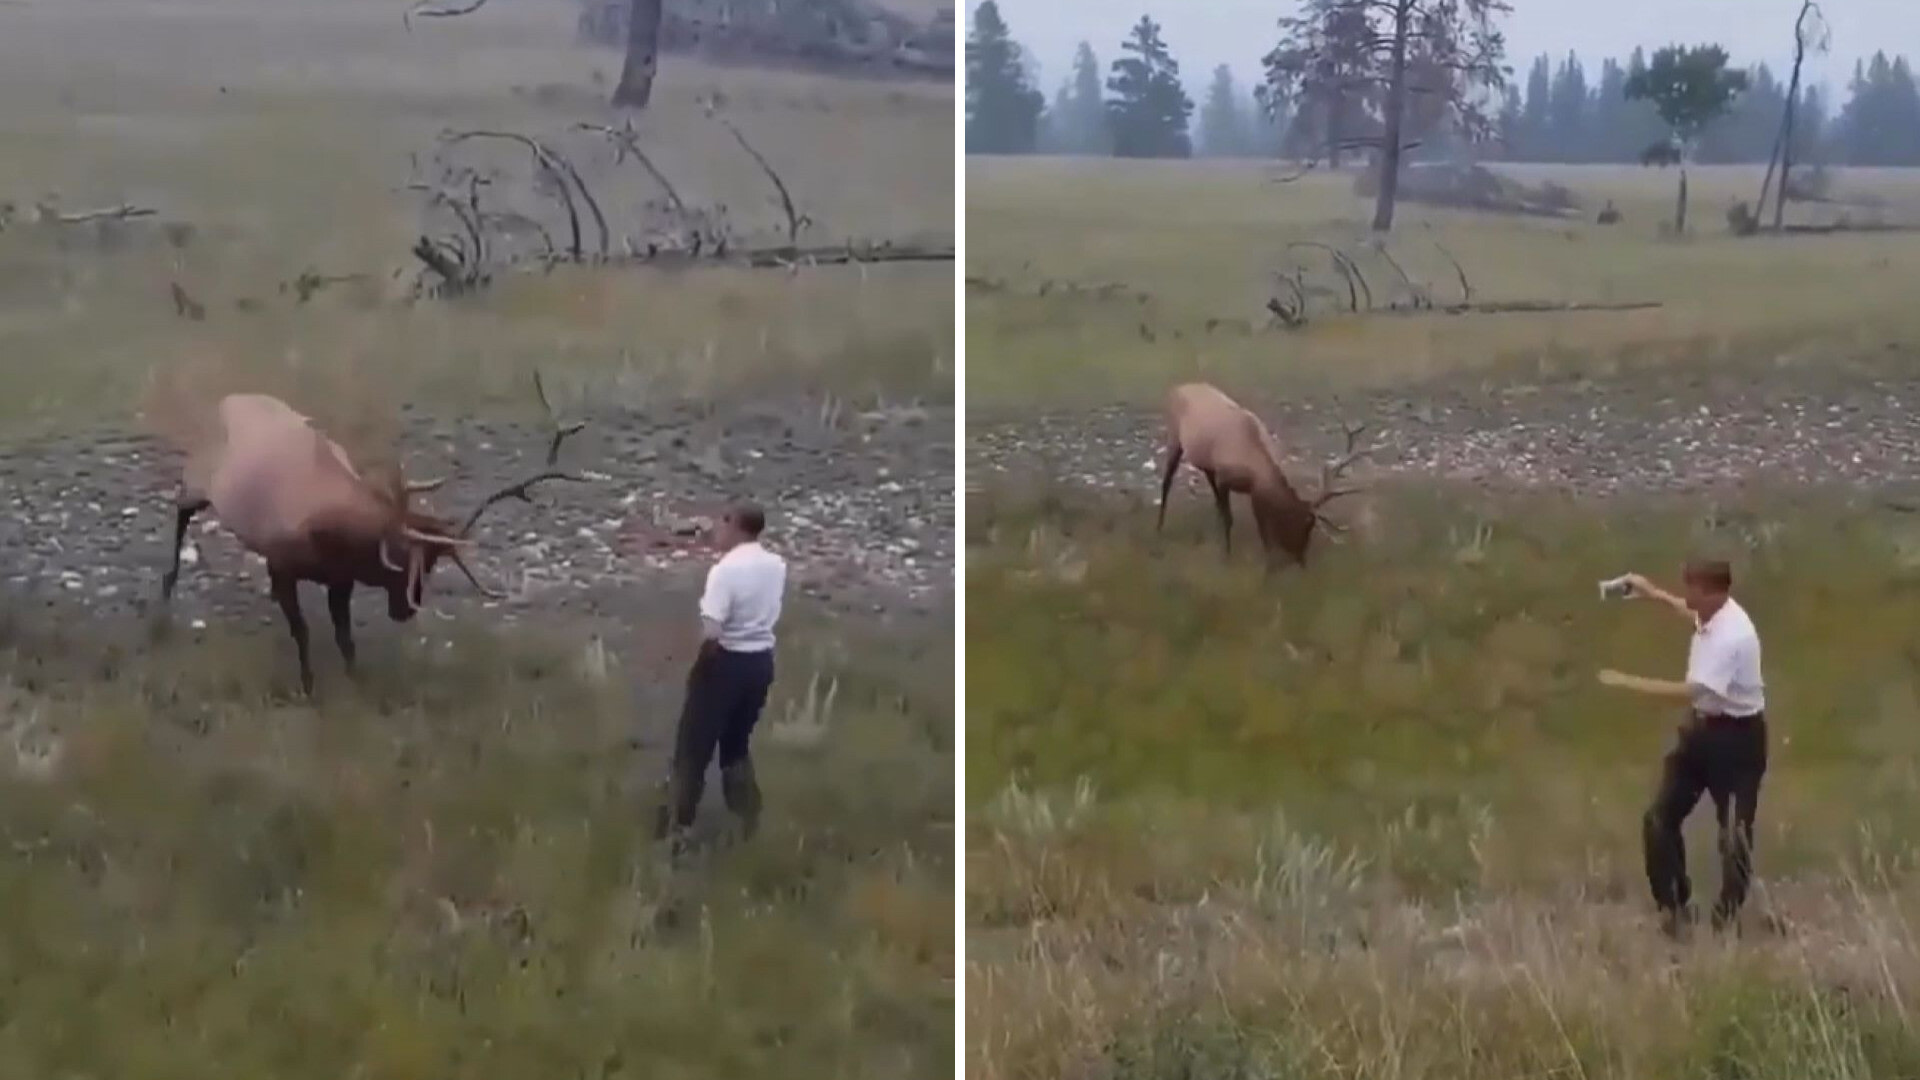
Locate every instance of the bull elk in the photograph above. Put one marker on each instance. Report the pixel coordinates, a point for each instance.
(1231, 447)
(291, 495)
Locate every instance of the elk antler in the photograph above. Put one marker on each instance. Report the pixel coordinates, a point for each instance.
(520, 490)
(1332, 472)
(491, 594)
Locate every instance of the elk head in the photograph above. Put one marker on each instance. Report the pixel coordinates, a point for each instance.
(417, 540)
(1287, 521)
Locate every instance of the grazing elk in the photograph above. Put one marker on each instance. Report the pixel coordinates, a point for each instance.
(292, 496)
(1231, 447)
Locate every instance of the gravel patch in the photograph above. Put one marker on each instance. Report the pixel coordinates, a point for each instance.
(863, 512)
(1640, 433)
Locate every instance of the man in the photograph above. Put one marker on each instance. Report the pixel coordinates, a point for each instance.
(1722, 746)
(727, 686)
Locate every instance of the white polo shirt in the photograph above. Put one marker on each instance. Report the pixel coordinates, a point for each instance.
(1723, 664)
(743, 596)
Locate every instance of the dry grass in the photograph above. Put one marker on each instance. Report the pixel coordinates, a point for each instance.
(1202, 241)
(1380, 821)
(281, 131)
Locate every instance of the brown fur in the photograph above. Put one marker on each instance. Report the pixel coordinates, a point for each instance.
(1229, 445)
(292, 496)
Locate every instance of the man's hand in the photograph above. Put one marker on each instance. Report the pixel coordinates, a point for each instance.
(1645, 589)
(1610, 677)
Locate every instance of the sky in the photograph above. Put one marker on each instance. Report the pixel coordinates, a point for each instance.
(1206, 33)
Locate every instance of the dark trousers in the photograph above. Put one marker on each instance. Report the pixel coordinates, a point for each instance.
(725, 693)
(1725, 757)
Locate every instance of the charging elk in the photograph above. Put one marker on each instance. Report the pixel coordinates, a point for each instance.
(291, 495)
(1231, 447)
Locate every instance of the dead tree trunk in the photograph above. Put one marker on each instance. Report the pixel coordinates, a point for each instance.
(1680, 211)
(643, 56)
(1393, 120)
(1786, 121)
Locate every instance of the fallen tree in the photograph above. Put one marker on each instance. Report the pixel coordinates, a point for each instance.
(479, 233)
(1334, 276)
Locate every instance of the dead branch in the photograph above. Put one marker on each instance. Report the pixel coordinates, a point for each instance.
(626, 143)
(311, 282)
(116, 213)
(425, 9)
(1421, 297)
(185, 306)
(1466, 287)
(1356, 281)
(561, 173)
(796, 221)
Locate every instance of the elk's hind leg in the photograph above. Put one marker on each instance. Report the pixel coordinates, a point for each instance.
(286, 593)
(340, 608)
(185, 507)
(1166, 482)
(1226, 515)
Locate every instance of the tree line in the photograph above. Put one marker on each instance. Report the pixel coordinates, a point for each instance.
(1564, 110)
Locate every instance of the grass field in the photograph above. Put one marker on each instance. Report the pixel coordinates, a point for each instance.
(1202, 240)
(446, 869)
(281, 132)
(1378, 819)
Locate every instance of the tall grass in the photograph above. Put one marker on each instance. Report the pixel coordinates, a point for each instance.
(447, 869)
(1378, 819)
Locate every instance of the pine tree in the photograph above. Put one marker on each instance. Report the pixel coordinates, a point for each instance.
(1536, 136)
(1003, 108)
(1608, 114)
(1148, 111)
(1567, 111)
(1880, 124)
(1081, 108)
(1223, 131)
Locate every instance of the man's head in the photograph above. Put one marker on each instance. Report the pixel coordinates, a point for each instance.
(741, 524)
(1707, 583)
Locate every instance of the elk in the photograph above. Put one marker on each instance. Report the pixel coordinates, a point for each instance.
(292, 496)
(1231, 447)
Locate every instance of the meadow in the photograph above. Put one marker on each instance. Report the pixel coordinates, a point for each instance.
(1191, 250)
(446, 867)
(1377, 818)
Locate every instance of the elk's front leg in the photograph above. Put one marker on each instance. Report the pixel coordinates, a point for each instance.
(1166, 482)
(184, 510)
(340, 607)
(286, 593)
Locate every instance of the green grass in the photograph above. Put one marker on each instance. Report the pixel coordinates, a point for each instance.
(1199, 242)
(1379, 819)
(446, 869)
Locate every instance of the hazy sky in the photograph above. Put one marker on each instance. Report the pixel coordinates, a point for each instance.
(1204, 33)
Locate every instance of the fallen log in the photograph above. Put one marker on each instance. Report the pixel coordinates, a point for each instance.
(793, 257)
(116, 213)
(1522, 307)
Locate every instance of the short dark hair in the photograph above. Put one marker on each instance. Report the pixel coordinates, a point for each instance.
(1714, 574)
(749, 518)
